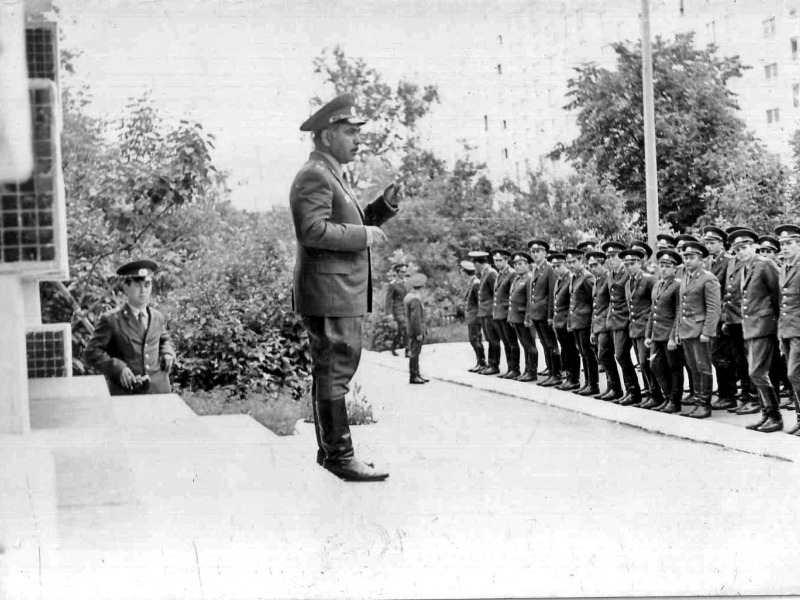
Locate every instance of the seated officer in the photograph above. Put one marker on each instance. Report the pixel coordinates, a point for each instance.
(130, 344)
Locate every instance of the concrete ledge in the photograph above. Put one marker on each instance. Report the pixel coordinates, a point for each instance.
(708, 431)
(68, 387)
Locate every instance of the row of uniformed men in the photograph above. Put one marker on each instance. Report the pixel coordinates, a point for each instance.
(738, 311)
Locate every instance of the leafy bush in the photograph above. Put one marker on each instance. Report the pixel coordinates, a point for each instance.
(379, 329)
(359, 410)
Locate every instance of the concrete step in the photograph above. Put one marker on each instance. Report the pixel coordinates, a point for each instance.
(68, 387)
(239, 429)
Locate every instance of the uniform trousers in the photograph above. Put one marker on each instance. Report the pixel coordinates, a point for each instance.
(588, 356)
(414, 350)
(791, 350)
(739, 354)
(605, 357)
(476, 340)
(528, 340)
(667, 366)
(622, 352)
(510, 343)
(759, 359)
(570, 358)
(643, 357)
(724, 364)
(335, 345)
(698, 361)
(547, 335)
(492, 336)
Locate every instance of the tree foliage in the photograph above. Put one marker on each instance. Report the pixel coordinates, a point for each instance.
(695, 114)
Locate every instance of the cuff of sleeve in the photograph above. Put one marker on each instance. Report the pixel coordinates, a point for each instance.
(369, 237)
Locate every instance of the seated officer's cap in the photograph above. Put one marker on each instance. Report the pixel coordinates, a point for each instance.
(613, 247)
(666, 239)
(787, 231)
(585, 244)
(767, 242)
(632, 252)
(643, 246)
(693, 247)
(596, 254)
(524, 255)
(138, 269)
(341, 108)
(467, 265)
(741, 236)
(714, 233)
(560, 256)
(538, 245)
(573, 252)
(417, 280)
(668, 254)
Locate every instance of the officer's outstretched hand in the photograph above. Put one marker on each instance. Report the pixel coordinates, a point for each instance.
(126, 378)
(394, 193)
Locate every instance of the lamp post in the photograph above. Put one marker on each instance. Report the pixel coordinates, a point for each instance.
(651, 177)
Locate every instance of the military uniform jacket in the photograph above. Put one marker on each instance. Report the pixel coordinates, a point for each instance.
(486, 292)
(601, 300)
(541, 294)
(118, 342)
(581, 289)
(472, 301)
(639, 294)
(415, 314)
(718, 265)
(698, 306)
(618, 309)
(393, 305)
(789, 319)
(732, 296)
(760, 298)
(502, 288)
(561, 301)
(663, 308)
(518, 299)
(333, 272)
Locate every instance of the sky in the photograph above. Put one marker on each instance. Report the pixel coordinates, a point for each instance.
(244, 69)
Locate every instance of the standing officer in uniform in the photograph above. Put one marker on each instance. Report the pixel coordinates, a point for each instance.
(488, 276)
(540, 309)
(666, 362)
(789, 319)
(696, 324)
(332, 277)
(415, 322)
(473, 322)
(502, 287)
(601, 336)
(618, 321)
(393, 304)
(760, 308)
(570, 358)
(579, 319)
(639, 293)
(130, 345)
(517, 306)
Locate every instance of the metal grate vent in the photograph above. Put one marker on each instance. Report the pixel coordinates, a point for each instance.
(49, 352)
(41, 51)
(28, 210)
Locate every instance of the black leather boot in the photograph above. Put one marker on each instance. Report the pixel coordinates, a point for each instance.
(632, 398)
(338, 445)
(774, 421)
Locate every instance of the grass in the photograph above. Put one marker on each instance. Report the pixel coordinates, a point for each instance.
(279, 414)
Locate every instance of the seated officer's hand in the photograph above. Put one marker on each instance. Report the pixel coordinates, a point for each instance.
(126, 378)
(167, 360)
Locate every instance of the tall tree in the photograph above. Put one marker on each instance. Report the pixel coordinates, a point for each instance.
(695, 113)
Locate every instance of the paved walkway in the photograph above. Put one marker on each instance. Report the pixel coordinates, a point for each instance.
(490, 495)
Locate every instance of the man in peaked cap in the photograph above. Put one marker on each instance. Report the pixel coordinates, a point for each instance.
(587, 245)
(130, 345)
(664, 241)
(508, 335)
(471, 315)
(601, 337)
(415, 323)
(332, 277)
(517, 307)
(487, 276)
(696, 323)
(579, 320)
(769, 247)
(619, 321)
(540, 309)
(718, 262)
(760, 310)
(570, 357)
(789, 318)
(393, 305)
(666, 361)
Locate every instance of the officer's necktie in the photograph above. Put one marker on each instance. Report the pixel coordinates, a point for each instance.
(141, 321)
